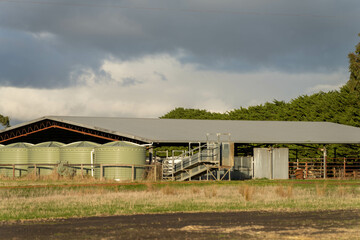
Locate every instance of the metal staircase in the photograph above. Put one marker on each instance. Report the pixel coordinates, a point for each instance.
(193, 163)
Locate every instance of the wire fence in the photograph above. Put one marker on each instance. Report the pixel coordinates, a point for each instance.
(312, 168)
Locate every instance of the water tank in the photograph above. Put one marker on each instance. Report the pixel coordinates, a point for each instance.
(120, 153)
(42, 154)
(16, 153)
(78, 153)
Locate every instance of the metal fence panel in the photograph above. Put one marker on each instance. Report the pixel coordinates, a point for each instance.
(280, 163)
(262, 163)
(242, 168)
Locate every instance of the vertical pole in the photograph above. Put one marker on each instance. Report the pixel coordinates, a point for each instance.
(306, 170)
(151, 151)
(35, 169)
(230, 174)
(325, 156)
(344, 167)
(101, 172)
(173, 169)
(155, 173)
(252, 167)
(200, 152)
(92, 162)
(82, 168)
(13, 171)
(271, 164)
(132, 173)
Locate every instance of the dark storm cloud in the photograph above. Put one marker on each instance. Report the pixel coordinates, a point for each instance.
(27, 61)
(291, 36)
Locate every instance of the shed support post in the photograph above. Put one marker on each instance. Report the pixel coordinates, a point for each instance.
(271, 163)
(13, 171)
(101, 172)
(344, 167)
(35, 169)
(151, 153)
(82, 169)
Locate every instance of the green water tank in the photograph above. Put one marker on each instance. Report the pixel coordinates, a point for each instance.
(16, 153)
(78, 153)
(120, 153)
(42, 154)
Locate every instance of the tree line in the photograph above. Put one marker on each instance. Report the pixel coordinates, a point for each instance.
(341, 106)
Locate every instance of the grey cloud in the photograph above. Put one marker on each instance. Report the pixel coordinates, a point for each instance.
(26, 61)
(126, 82)
(291, 36)
(161, 76)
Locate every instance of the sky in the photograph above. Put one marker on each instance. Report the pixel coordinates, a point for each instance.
(143, 58)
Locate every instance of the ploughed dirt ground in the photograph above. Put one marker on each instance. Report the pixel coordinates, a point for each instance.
(230, 225)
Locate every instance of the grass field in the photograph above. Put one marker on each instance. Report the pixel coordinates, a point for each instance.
(46, 199)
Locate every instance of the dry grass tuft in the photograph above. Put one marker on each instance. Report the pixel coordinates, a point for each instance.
(210, 192)
(247, 192)
(321, 190)
(288, 193)
(31, 176)
(167, 190)
(150, 187)
(342, 192)
(195, 190)
(2, 177)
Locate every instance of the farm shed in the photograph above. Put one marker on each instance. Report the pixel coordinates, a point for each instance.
(69, 129)
(176, 132)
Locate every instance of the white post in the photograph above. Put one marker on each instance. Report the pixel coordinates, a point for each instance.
(92, 162)
(173, 168)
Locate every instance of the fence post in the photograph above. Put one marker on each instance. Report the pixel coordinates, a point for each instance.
(306, 170)
(297, 163)
(82, 168)
(101, 172)
(35, 168)
(13, 171)
(344, 167)
(155, 172)
(132, 173)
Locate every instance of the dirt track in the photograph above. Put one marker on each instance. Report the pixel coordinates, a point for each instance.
(233, 225)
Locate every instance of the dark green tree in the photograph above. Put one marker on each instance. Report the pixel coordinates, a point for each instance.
(354, 68)
(341, 106)
(4, 121)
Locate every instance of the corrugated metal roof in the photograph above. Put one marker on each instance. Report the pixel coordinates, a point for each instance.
(184, 130)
